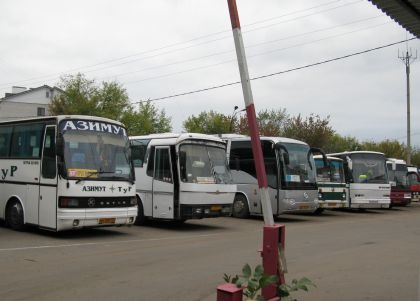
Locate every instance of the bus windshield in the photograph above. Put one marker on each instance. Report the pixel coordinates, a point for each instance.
(333, 173)
(97, 155)
(399, 176)
(203, 164)
(300, 172)
(369, 168)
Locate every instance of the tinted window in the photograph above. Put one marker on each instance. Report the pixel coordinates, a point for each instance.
(48, 159)
(5, 136)
(163, 166)
(26, 141)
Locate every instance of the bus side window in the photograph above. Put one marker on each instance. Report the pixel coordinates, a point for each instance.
(49, 169)
(5, 137)
(26, 141)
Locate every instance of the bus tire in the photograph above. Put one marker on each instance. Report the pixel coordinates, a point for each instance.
(15, 216)
(140, 219)
(240, 208)
(319, 211)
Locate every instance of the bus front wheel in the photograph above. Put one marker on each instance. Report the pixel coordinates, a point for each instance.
(141, 219)
(240, 207)
(14, 216)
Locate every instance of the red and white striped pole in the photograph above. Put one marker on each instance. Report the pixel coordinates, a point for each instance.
(250, 111)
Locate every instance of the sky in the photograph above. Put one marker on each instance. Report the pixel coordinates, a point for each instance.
(162, 48)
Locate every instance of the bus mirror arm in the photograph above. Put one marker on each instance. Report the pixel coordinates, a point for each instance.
(286, 158)
(316, 150)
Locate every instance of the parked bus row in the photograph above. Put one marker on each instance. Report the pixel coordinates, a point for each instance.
(70, 172)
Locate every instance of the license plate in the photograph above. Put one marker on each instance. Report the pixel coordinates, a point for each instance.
(216, 208)
(373, 202)
(110, 220)
(304, 207)
(332, 204)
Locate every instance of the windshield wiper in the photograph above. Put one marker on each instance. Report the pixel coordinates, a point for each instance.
(92, 174)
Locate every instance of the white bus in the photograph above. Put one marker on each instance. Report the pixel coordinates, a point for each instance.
(367, 179)
(181, 176)
(291, 175)
(66, 172)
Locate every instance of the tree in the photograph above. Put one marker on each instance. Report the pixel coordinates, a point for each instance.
(270, 123)
(208, 123)
(338, 143)
(109, 99)
(391, 148)
(146, 120)
(314, 130)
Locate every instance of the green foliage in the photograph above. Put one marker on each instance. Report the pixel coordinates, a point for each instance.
(338, 143)
(285, 290)
(109, 99)
(146, 120)
(314, 130)
(208, 123)
(270, 123)
(252, 282)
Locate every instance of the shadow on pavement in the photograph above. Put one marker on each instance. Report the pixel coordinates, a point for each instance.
(187, 226)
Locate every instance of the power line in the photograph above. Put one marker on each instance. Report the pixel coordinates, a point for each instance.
(251, 46)
(56, 75)
(250, 56)
(275, 73)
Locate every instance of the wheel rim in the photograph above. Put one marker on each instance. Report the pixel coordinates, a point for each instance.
(238, 206)
(16, 214)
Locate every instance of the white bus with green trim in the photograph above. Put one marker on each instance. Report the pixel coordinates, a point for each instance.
(66, 172)
(181, 176)
(332, 192)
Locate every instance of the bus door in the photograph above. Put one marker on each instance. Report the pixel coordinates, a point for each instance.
(48, 181)
(163, 184)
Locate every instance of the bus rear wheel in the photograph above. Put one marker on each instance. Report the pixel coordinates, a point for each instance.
(14, 216)
(240, 207)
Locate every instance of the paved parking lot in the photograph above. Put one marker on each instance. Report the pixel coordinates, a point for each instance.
(372, 255)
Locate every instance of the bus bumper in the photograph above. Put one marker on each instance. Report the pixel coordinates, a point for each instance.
(370, 204)
(300, 207)
(332, 204)
(203, 211)
(68, 219)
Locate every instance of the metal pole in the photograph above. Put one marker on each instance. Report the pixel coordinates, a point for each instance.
(408, 111)
(250, 111)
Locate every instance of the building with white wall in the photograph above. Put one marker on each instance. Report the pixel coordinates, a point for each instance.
(26, 103)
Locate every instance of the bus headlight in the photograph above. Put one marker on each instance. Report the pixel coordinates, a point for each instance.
(133, 201)
(69, 203)
(320, 196)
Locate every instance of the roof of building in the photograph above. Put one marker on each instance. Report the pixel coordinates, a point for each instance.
(11, 95)
(404, 12)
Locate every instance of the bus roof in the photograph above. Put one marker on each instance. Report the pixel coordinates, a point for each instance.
(397, 161)
(236, 137)
(355, 152)
(328, 158)
(61, 117)
(175, 138)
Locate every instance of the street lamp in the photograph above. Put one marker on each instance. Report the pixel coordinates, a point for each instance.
(234, 113)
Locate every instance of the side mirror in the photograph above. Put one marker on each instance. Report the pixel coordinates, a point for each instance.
(286, 158)
(60, 146)
(237, 164)
(320, 151)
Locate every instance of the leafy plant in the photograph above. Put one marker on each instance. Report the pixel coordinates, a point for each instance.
(285, 290)
(252, 282)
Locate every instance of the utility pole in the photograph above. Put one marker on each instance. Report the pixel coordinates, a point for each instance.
(407, 59)
(250, 111)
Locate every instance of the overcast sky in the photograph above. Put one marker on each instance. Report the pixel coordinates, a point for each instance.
(160, 48)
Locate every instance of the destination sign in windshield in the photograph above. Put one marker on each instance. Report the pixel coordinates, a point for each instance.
(91, 126)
